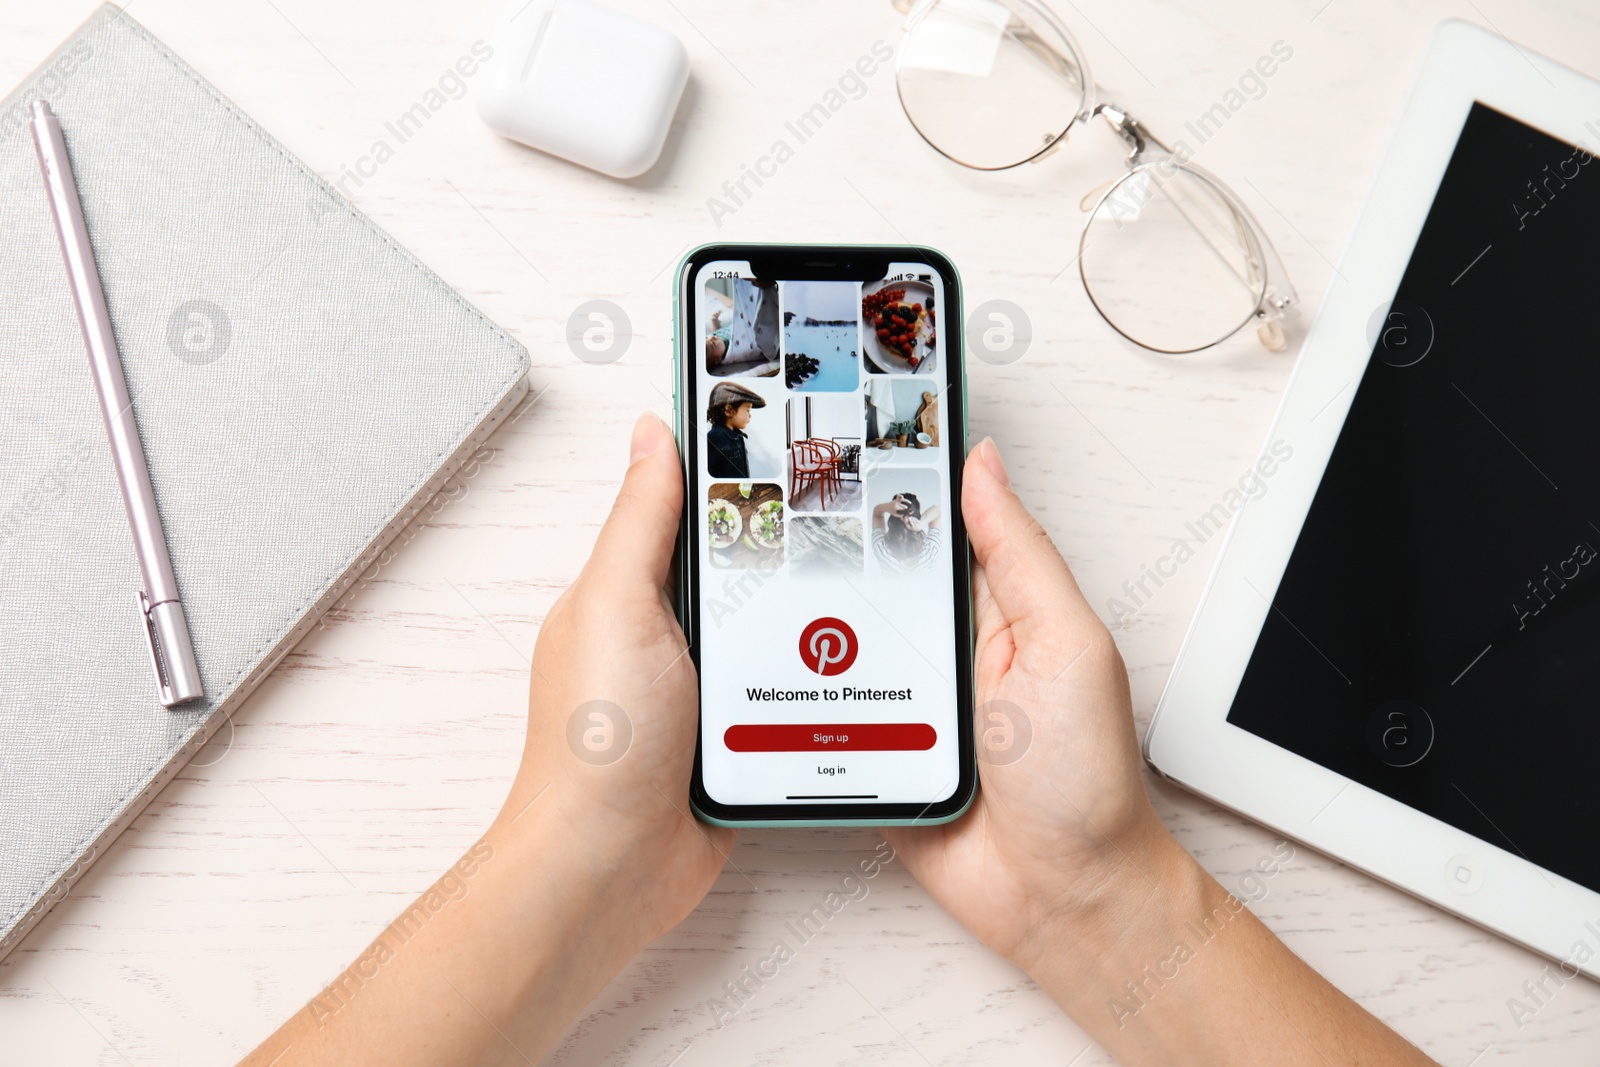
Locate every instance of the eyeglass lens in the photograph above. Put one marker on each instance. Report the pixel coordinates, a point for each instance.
(1169, 262)
(986, 85)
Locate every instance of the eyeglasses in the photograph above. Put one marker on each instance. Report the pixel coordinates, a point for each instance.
(1170, 256)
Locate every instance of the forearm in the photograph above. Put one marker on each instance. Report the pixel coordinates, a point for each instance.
(1168, 968)
(488, 966)
(593, 854)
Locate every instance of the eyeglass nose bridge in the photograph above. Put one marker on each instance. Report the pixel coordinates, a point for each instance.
(1135, 134)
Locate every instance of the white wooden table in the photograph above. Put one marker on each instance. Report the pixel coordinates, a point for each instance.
(383, 745)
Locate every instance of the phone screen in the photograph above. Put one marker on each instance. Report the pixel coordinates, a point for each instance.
(830, 611)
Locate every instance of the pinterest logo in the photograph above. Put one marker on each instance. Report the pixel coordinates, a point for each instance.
(828, 646)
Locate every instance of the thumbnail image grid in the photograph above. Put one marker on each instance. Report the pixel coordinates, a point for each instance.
(834, 473)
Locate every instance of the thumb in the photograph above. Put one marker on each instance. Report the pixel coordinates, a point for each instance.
(636, 543)
(1028, 580)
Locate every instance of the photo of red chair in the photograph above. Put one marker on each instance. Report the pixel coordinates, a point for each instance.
(825, 435)
(813, 462)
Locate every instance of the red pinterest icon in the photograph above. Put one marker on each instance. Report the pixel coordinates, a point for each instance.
(828, 646)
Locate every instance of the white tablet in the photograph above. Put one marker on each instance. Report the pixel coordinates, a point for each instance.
(1397, 657)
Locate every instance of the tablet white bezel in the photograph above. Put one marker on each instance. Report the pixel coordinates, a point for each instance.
(1189, 739)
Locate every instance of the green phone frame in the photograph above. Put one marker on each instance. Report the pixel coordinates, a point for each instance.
(967, 787)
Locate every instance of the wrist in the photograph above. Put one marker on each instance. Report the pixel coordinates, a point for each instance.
(1117, 920)
(574, 875)
(635, 860)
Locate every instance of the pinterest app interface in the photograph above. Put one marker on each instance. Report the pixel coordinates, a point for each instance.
(826, 623)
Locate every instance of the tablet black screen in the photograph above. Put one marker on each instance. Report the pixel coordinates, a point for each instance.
(1449, 561)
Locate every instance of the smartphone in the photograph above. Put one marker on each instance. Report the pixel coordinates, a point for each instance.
(824, 577)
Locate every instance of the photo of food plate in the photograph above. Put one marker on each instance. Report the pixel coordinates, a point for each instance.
(745, 525)
(723, 524)
(899, 327)
(767, 529)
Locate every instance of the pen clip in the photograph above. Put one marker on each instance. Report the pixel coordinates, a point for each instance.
(152, 642)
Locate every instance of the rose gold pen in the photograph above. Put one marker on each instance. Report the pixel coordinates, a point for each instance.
(166, 632)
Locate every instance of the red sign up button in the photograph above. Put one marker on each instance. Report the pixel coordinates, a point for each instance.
(848, 737)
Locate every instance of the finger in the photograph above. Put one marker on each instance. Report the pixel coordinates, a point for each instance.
(993, 660)
(912, 844)
(636, 543)
(1028, 580)
(983, 606)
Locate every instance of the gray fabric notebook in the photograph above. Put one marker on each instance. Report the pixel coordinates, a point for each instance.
(302, 384)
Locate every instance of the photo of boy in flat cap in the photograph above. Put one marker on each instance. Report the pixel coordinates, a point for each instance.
(727, 451)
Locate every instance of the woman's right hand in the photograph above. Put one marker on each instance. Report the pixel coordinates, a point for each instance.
(1062, 838)
(1063, 866)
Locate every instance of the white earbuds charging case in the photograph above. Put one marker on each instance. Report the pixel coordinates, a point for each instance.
(583, 82)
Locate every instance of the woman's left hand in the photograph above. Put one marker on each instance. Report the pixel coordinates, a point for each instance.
(595, 852)
(613, 707)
